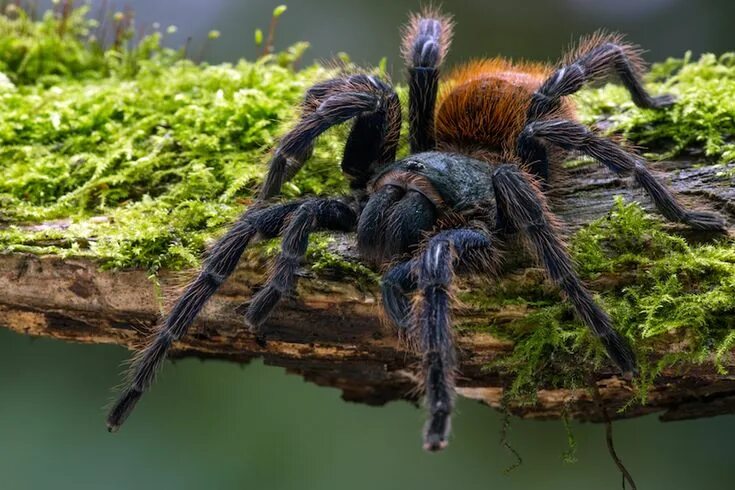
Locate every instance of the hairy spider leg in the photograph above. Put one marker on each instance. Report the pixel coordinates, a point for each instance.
(426, 41)
(521, 207)
(400, 280)
(312, 215)
(432, 328)
(405, 204)
(397, 283)
(577, 137)
(521, 203)
(373, 139)
(219, 264)
(595, 57)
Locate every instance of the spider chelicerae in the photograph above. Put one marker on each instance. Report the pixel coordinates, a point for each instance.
(485, 147)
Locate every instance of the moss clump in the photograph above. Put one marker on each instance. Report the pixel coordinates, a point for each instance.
(167, 155)
(326, 262)
(67, 44)
(703, 117)
(140, 154)
(670, 290)
(168, 151)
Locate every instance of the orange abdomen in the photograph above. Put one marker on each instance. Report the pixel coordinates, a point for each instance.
(482, 105)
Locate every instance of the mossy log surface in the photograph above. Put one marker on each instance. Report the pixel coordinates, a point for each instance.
(330, 332)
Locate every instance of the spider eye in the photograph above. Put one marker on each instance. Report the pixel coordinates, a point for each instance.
(415, 166)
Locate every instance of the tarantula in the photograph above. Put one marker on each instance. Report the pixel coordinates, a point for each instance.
(485, 149)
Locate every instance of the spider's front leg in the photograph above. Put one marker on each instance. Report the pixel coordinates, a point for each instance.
(522, 207)
(220, 263)
(373, 140)
(426, 40)
(312, 215)
(398, 283)
(429, 325)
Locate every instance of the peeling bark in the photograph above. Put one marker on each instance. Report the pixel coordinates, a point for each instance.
(330, 332)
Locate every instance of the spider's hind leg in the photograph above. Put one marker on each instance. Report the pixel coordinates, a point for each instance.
(573, 136)
(596, 57)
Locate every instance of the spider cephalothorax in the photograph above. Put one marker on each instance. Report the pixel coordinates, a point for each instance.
(485, 147)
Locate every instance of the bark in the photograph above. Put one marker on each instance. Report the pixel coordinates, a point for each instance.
(330, 332)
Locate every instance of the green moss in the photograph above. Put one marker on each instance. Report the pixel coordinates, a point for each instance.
(326, 262)
(168, 152)
(670, 291)
(63, 45)
(168, 156)
(703, 117)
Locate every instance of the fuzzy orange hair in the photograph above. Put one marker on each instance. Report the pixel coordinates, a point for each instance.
(483, 104)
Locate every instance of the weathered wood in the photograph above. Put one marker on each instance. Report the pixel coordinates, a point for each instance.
(330, 332)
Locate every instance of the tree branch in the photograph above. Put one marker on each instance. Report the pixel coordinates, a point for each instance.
(330, 333)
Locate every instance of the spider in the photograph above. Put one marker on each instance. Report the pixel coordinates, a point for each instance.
(485, 150)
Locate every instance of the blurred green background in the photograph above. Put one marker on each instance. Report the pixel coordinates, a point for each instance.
(215, 425)
(369, 30)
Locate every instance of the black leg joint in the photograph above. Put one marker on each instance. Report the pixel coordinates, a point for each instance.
(533, 153)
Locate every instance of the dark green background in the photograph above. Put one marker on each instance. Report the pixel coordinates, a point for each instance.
(215, 425)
